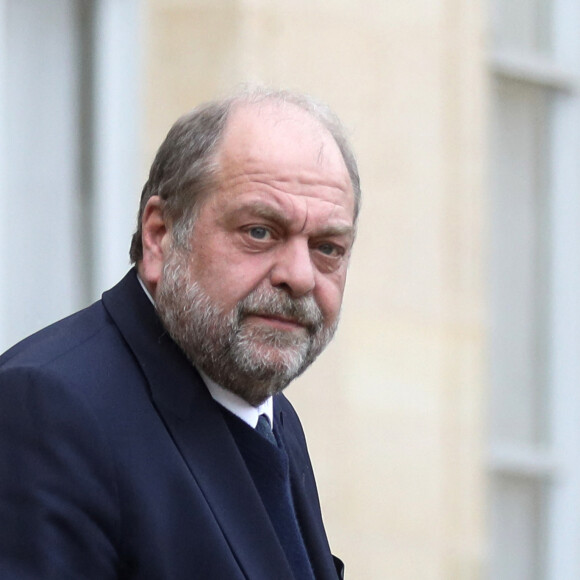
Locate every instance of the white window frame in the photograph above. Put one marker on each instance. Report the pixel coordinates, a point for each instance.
(564, 524)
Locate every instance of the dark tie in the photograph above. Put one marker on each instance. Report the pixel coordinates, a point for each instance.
(277, 496)
(265, 429)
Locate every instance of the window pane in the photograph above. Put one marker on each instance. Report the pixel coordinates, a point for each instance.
(519, 158)
(522, 25)
(42, 221)
(518, 512)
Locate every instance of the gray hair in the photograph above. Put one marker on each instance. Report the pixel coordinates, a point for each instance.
(185, 167)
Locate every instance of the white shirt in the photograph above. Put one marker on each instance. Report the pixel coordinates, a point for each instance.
(232, 402)
(236, 405)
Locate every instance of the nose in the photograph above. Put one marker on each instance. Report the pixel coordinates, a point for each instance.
(293, 270)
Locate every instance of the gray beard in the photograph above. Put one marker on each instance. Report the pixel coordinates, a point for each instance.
(251, 361)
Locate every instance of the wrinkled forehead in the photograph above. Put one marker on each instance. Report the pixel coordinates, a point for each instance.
(276, 133)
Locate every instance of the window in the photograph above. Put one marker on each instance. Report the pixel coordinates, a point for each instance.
(68, 118)
(535, 290)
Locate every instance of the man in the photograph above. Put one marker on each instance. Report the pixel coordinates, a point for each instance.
(136, 436)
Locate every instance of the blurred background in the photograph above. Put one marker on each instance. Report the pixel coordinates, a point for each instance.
(444, 420)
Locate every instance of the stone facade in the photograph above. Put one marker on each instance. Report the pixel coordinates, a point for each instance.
(394, 409)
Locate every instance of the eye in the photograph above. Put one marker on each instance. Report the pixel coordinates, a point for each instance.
(329, 249)
(259, 233)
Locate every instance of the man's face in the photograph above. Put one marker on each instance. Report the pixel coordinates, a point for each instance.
(257, 295)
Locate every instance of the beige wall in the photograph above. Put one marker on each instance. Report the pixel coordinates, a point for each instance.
(393, 410)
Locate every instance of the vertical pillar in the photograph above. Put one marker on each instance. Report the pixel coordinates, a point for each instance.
(116, 122)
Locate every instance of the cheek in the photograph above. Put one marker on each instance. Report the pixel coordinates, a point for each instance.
(329, 299)
(229, 278)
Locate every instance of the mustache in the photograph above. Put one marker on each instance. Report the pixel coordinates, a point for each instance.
(303, 311)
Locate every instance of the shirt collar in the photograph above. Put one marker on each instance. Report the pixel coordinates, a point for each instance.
(232, 402)
(238, 406)
(147, 293)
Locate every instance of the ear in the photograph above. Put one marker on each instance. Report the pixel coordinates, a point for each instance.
(156, 239)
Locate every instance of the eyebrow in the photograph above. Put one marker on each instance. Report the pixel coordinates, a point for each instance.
(268, 212)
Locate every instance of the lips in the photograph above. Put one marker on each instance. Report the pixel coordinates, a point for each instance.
(282, 322)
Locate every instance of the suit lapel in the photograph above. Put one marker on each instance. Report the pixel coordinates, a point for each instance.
(305, 495)
(198, 429)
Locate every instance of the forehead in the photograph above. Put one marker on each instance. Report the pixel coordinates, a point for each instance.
(280, 141)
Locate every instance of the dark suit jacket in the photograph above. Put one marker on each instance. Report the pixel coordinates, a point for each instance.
(115, 462)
